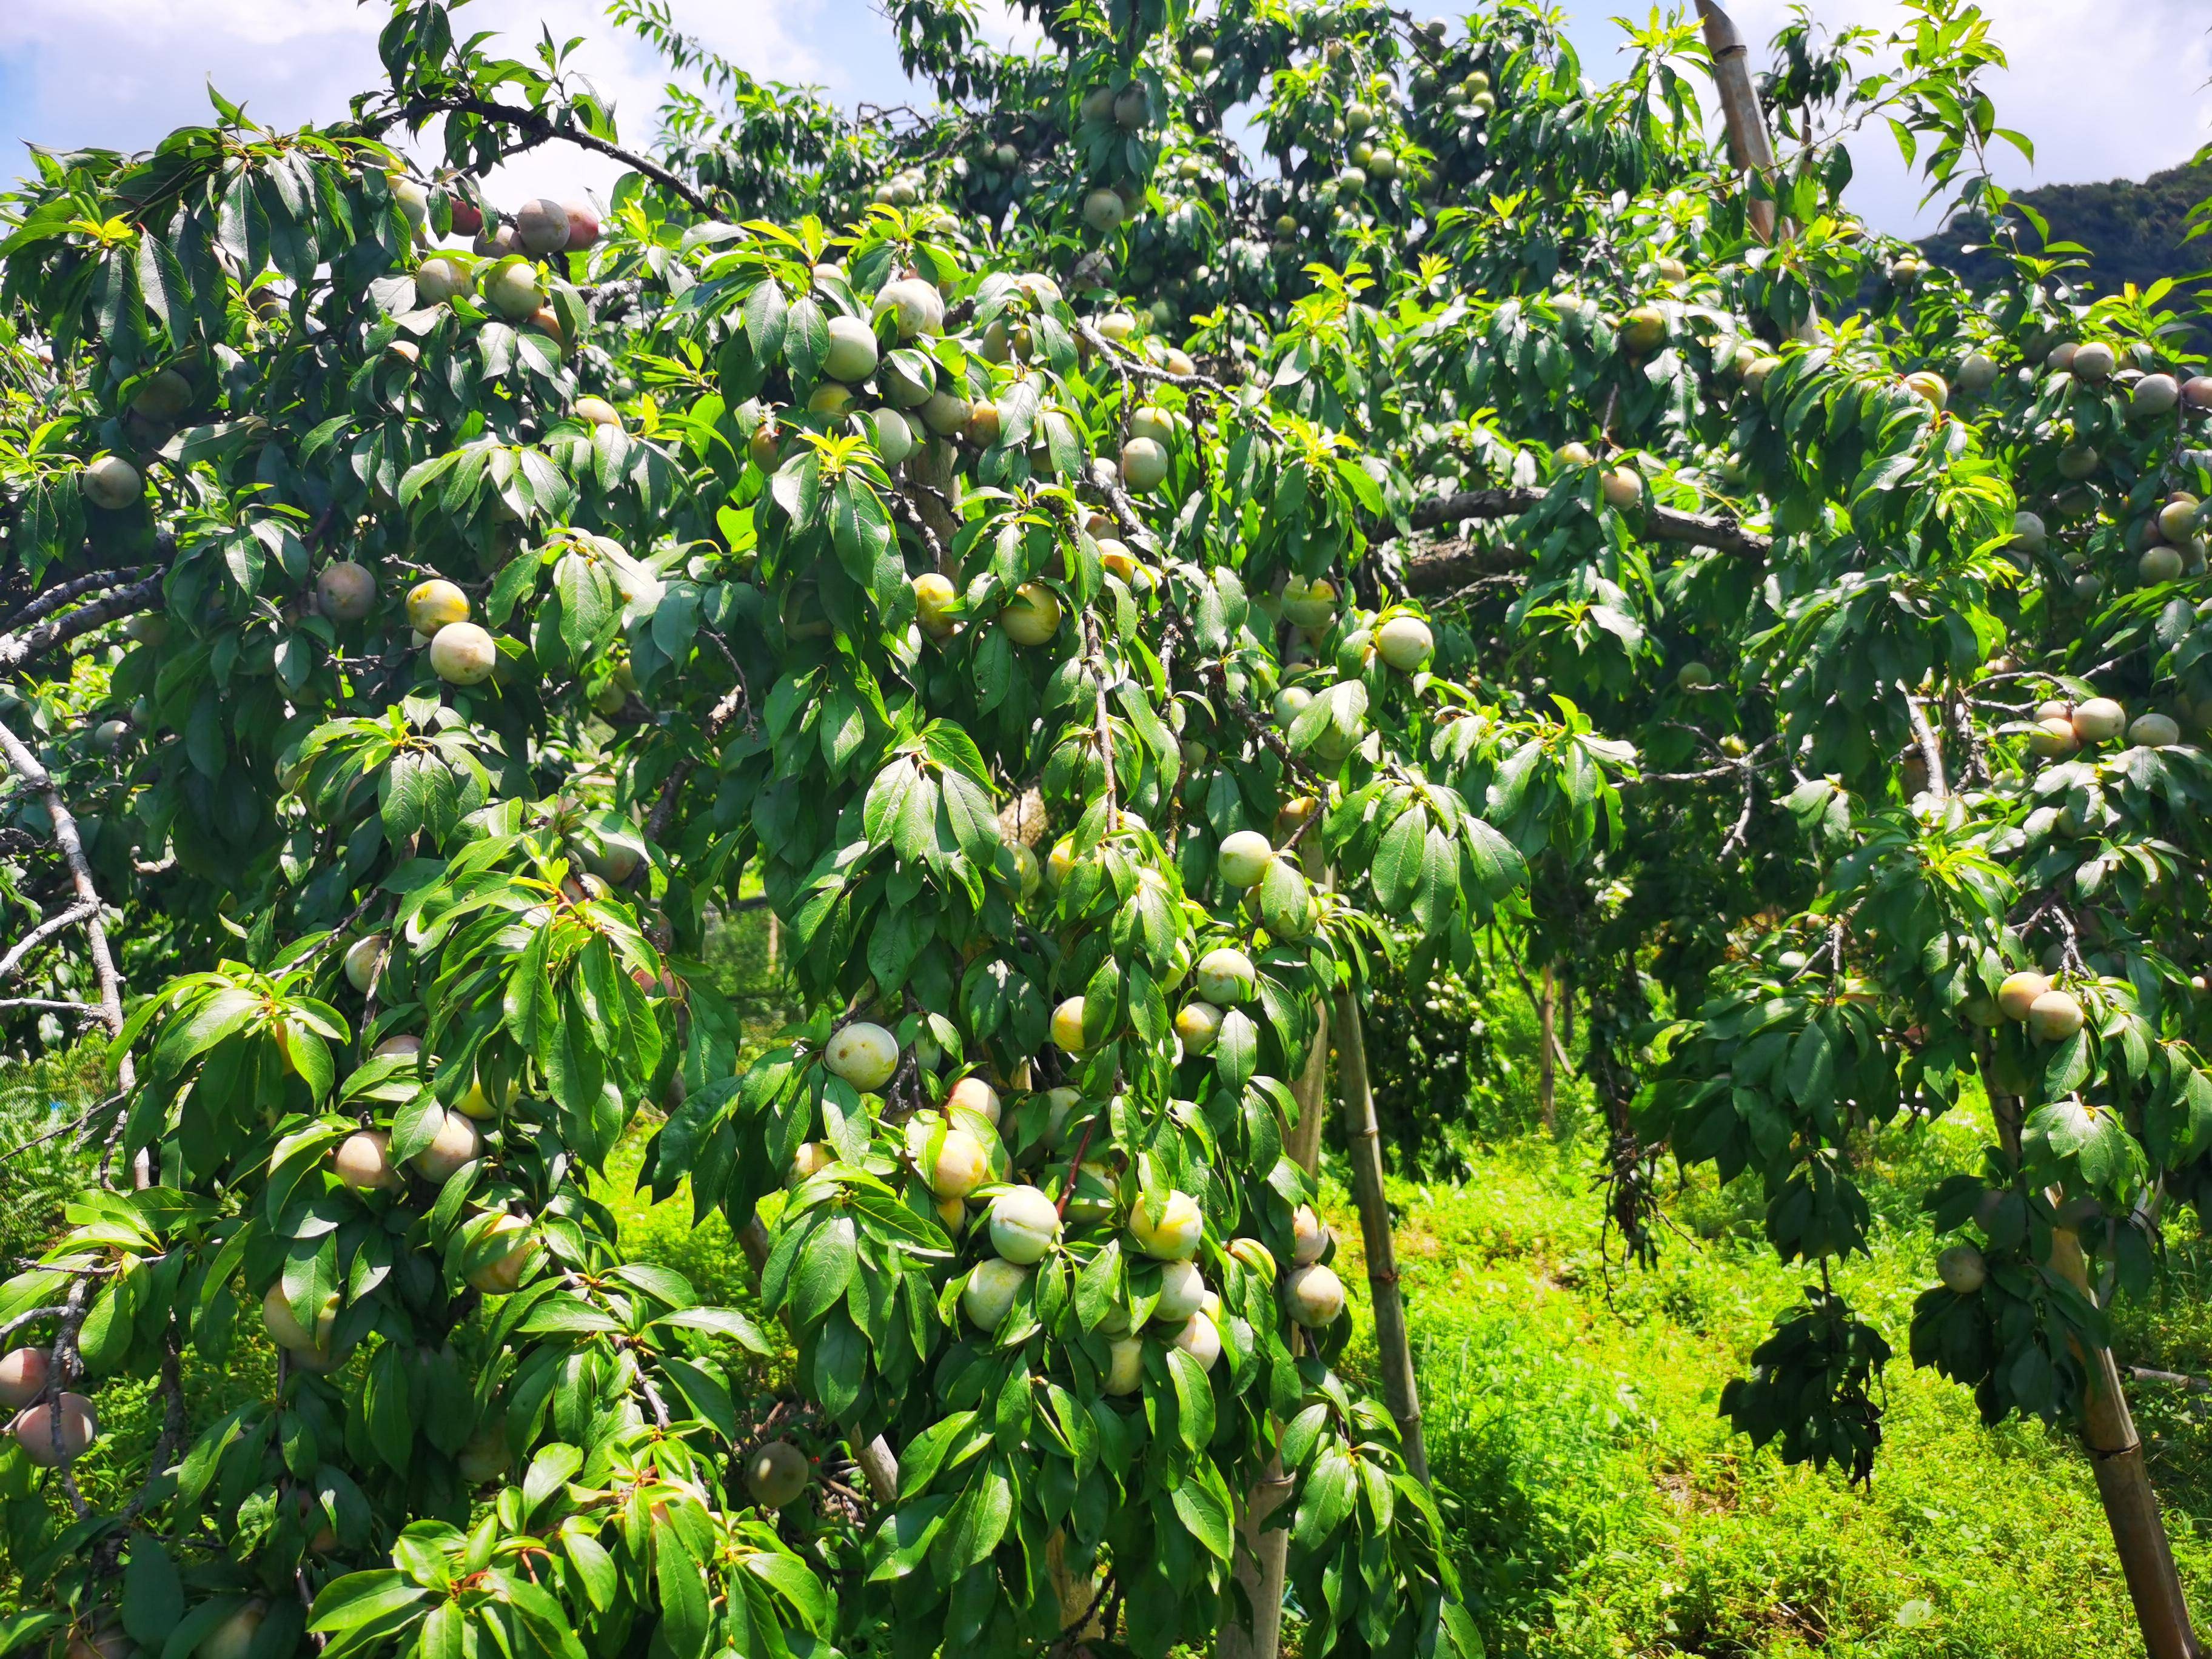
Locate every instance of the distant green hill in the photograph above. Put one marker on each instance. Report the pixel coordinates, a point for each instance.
(2133, 231)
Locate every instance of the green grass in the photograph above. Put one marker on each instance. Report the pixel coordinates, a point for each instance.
(1601, 1507)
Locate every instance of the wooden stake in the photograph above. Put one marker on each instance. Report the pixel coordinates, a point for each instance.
(1548, 1071)
(1392, 1346)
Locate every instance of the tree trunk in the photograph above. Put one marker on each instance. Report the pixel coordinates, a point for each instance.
(1547, 1070)
(877, 1460)
(1393, 1349)
(1262, 1556)
(2123, 1483)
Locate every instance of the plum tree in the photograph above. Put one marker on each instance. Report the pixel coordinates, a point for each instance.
(1681, 567)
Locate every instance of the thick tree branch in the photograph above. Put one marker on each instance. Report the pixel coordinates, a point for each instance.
(143, 595)
(1662, 524)
(63, 594)
(539, 127)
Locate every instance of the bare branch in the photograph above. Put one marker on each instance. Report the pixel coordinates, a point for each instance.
(65, 593)
(540, 128)
(26, 766)
(58, 922)
(1662, 524)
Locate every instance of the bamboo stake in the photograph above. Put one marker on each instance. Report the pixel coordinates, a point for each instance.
(2132, 1510)
(1392, 1346)
(1748, 143)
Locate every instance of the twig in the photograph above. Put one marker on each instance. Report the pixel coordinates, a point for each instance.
(46, 930)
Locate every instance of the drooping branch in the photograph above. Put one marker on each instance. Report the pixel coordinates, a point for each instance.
(541, 129)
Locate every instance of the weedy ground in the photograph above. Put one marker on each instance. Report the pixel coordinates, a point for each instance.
(1599, 1505)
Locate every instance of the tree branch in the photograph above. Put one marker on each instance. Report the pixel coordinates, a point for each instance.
(143, 595)
(25, 765)
(536, 125)
(55, 597)
(1662, 524)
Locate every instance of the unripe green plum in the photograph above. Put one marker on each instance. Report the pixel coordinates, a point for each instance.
(2159, 564)
(163, 398)
(1928, 386)
(542, 226)
(22, 1376)
(1125, 1366)
(485, 1456)
(2077, 461)
(2095, 362)
(434, 604)
(808, 1161)
(1643, 329)
(1154, 423)
(864, 1054)
(233, 1638)
(502, 1275)
(2018, 992)
(2053, 739)
(988, 1295)
(48, 1447)
(1199, 1338)
(1067, 1021)
(1175, 1236)
(285, 1330)
(2154, 395)
(1024, 1224)
(1291, 702)
(2178, 518)
(2154, 731)
(2029, 534)
(363, 960)
(1027, 877)
(1622, 488)
(108, 735)
(777, 1474)
(457, 1142)
(1309, 1235)
(462, 653)
(894, 438)
(345, 592)
(2054, 1017)
(110, 482)
(2099, 719)
(934, 597)
(1105, 211)
(975, 1095)
(1032, 614)
(1756, 375)
(1226, 977)
(441, 279)
(852, 355)
(1183, 1290)
(1978, 372)
(961, 1165)
(1962, 1269)
(1199, 1025)
(917, 305)
(1314, 1296)
(1254, 1255)
(1143, 464)
(1405, 643)
(1245, 858)
(364, 1162)
(1309, 604)
(511, 288)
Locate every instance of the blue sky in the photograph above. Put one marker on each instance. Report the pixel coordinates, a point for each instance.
(2106, 89)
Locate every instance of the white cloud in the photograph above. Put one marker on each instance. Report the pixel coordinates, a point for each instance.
(2104, 90)
(120, 73)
